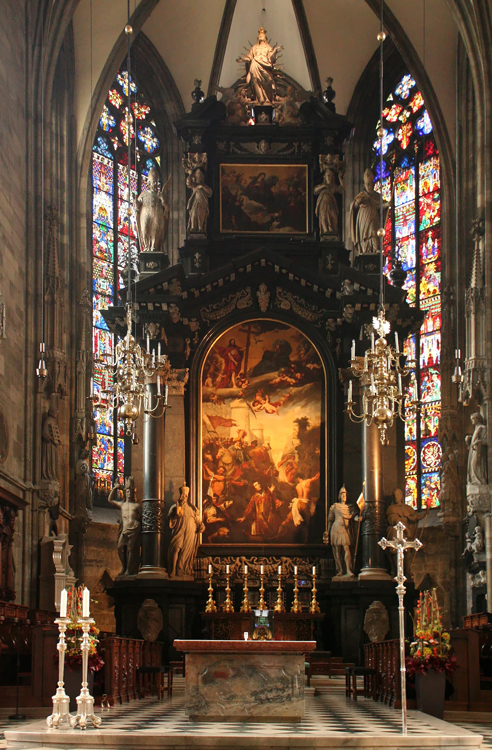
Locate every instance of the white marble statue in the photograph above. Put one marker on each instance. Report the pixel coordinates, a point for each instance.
(477, 451)
(364, 217)
(260, 64)
(130, 527)
(152, 209)
(198, 202)
(326, 205)
(186, 525)
(339, 528)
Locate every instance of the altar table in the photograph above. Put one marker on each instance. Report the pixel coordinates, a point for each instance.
(245, 680)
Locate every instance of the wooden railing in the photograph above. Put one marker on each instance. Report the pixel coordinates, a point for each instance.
(122, 657)
(384, 657)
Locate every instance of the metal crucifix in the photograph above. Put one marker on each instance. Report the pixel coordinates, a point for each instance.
(400, 544)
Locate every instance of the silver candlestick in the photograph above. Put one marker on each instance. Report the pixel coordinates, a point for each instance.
(85, 701)
(400, 544)
(61, 701)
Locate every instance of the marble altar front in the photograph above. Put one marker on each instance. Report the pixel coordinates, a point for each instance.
(244, 680)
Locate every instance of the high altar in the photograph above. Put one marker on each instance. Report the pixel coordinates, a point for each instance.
(257, 322)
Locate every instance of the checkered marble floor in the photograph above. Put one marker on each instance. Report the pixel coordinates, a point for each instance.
(328, 714)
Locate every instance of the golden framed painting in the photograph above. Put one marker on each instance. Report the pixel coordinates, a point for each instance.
(262, 427)
(264, 198)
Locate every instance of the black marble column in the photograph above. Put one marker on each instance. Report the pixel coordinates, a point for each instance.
(153, 517)
(373, 525)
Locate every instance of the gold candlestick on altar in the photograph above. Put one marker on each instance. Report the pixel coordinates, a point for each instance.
(211, 605)
(246, 605)
(228, 606)
(314, 606)
(296, 607)
(279, 604)
(262, 603)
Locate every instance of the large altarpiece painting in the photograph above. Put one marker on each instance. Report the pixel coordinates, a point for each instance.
(263, 435)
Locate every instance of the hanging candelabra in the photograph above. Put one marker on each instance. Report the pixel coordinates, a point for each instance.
(381, 374)
(130, 370)
(380, 370)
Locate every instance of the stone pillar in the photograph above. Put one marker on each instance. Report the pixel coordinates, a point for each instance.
(153, 551)
(373, 525)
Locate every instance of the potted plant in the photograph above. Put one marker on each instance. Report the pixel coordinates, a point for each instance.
(431, 658)
(73, 654)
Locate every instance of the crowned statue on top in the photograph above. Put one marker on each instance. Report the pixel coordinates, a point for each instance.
(260, 69)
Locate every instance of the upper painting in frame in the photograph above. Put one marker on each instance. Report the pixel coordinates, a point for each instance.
(264, 198)
(261, 434)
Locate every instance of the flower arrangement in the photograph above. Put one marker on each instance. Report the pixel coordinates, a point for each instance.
(73, 654)
(431, 647)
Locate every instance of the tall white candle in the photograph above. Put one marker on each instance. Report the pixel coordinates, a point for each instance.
(159, 350)
(245, 569)
(63, 603)
(350, 391)
(397, 342)
(86, 603)
(279, 570)
(314, 570)
(148, 344)
(352, 351)
(261, 570)
(295, 570)
(227, 570)
(372, 342)
(210, 570)
(158, 385)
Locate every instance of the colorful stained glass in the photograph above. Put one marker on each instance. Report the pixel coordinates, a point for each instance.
(102, 344)
(429, 210)
(429, 175)
(386, 189)
(430, 385)
(107, 121)
(410, 348)
(430, 414)
(430, 280)
(430, 244)
(102, 173)
(417, 102)
(405, 115)
(391, 113)
(404, 87)
(123, 253)
(102, 207)
(125, 222)
(99, 302)
(102, 277)
(424, 124)
(102, 242)
(404, 134)
(405, 252)
(388, 138)
(432, 320)
(404, 186)
(430, 455)
(430, 148)
(103, 480)
(411, 429)
(140, 110)
(410, 287)
(116, 142)
(149, 139)
(411, 491)
(102, 453)
(123, 182)
(124, 130)
(404, 220)
(410, 457)
(103, 418)
(102, 146)
(429, 489)
(120, 466)
(115, 98)
(430, 349)
(123, 78)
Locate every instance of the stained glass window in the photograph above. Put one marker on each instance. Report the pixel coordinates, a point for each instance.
(114, 239)
(412, 182)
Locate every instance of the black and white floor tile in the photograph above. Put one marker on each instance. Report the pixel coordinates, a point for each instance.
(327, 712)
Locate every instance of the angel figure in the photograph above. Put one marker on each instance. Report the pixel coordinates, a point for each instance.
(198, 203)
(152, 210)
(326, 206)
